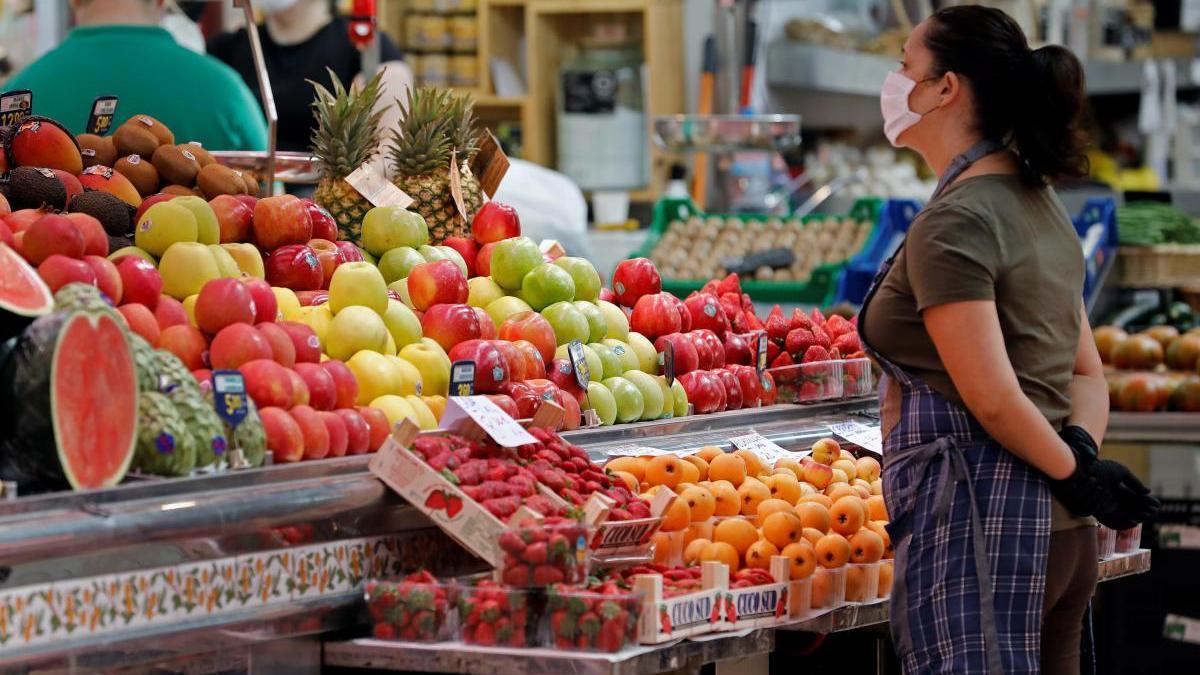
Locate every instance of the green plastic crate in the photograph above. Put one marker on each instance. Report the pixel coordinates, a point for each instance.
(821, 287)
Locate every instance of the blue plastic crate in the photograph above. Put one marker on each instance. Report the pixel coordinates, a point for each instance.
(1100, 251)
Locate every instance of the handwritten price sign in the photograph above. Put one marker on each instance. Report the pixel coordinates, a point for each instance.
(865, 437)
(760, 446)
(494, 421)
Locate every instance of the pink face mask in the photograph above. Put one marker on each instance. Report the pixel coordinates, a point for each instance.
(893, 102)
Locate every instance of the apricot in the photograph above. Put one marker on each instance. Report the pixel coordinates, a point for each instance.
(727, 467)
(814, 515)
(833, 550)
(752, 492)
(629, 479)
(877, 526)
(737, 532)
(754, 464)
(784, 486)
(876, 508)
(665, 470)
(678, 515)
(708, 452)
(885, 578)
(856, 584)
(819, 499)
(768, 506)
(822, 589)
(836, 491)
(700, 464)
(694, 550)
(728, 502)
(802, 559)
(701, 502)
(663, 547)
(759, 554)
(848, 514)
(789, 464)
(697, 530)
(812, 535)
(783, 528)
(846, 466)
(866, 547)
(868, 468)
(724, 553)
(630, 465)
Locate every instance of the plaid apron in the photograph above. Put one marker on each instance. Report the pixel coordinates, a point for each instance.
(970, 528)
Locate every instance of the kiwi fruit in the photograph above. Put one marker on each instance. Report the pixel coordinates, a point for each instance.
(175, 165)
(114, 214)
(216, 179)
(160, 130)
(180, 190)
(203, 156)
(33, 188)
(250, 181)
(140, 172)
(96, 150)
(134, 139)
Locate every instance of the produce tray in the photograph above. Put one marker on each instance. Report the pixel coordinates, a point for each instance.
(1162, 266)
(818, 290)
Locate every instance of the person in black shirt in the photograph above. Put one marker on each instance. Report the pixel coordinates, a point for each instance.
(302, 39)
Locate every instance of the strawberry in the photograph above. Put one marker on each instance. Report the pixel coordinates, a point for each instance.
(544, 575)
(837, 326)
(798, 340)
(773, 349)
(619, 514)
(563, 624)
(847, 343)
(822, 337)
(516, 576)
(731, 304)
(784, 359)
(384, 631)
(815, 353)
(484, 635)
(612, 635)
(810, 391)
(777, 326)
(710, 287)
(730, 284)
(800, 320)
(535, 554)
(818, 318)
(639, 508)
(752, 321)
(505, 632)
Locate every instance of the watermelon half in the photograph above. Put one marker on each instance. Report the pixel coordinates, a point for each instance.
(70, 393)
(23, 295)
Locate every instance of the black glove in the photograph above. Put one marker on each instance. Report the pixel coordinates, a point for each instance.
(1100, 487)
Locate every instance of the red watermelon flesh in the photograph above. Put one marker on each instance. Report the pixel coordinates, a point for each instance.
(23, 294)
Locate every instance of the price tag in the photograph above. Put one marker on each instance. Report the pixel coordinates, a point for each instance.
(666, 359)
(494, 421)
(636, 451)
(462, 378)
(456, 193)
(490, 163)
(552, 249)
(760, 360)
(761, 446)
(15, 106)
(865, 437)
(104, 108)
(579, 363)
(376, 188)
(229, 396)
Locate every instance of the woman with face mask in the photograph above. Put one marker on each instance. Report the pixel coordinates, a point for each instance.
(300, 40)
(993, 400)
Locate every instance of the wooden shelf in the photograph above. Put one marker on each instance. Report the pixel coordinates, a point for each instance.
(494, 101)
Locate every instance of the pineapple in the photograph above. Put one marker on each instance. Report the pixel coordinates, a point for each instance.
(346, 137)
(434, 124)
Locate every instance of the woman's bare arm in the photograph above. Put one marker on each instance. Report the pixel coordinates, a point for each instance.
(1089, 391)
(971, 345)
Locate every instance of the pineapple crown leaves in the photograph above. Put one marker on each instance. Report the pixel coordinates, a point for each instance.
(433, 124)
(347, 133)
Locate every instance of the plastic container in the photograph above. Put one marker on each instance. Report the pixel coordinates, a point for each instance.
(580, 619)
(410, 610)
(491, 615)
(862, 582)
(1129, 540)
(886, 572)
(538, 555)
(800, 597)
(828, 588)
(857, 378)
(808, 382)
(668, 547)
(1106, 542)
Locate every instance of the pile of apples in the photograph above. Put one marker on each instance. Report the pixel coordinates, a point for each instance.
(1156, 369)
(823, 511)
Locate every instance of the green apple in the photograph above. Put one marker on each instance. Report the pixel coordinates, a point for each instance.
(432, 253)
(398, 262)
(369, 257)
(595, 365)
(387, 227)
(433, 364)
(652, 396)
(502, 308)
(681, 401)
(354, 329)
(133, 250)
(545, 285)
(617, 322)
(611, 364)
(668, 397)
(186, 266)
(602, 402)
(628, 397)
(567, 321)
(482, 291)
(454, 257)
(357, 284)
(403, 325)
(401, 288)
(208, 230)
(583, 273)
(512, 259)
(647, 355)
(629, 358)
(597, 324)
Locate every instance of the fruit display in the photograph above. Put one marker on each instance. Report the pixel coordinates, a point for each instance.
(490, 614)
(417, 607)
(546, 552)
(604, 617)
(1156, 369)
(346, 136)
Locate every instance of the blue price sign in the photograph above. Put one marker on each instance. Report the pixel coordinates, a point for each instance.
(579, 363)
(462, 378)
(229, 396)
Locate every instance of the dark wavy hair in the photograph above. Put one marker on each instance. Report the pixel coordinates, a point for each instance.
(1032, 99)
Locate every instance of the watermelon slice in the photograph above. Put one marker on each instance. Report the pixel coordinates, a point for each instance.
(70, 392)
(23, 295)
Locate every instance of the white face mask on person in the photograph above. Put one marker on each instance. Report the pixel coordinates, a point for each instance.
(274, 6)
(893, 103)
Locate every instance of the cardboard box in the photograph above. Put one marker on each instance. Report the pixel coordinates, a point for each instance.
(664, 619)
(759, 606)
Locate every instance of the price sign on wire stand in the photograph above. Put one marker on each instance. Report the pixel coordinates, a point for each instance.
(760, 356)
(15, 106)
(229, 396)
(104, 108)
(462, 378)
(579, 363)
(865, 437)
(494, 421)
(762, 447)
(666, 359)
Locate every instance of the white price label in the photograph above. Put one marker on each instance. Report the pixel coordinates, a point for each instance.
(376, 188)
(636, 451)
(761, 446)
(865, 437)
(494, 421)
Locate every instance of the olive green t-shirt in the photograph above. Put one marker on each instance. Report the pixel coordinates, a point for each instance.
(989, 237)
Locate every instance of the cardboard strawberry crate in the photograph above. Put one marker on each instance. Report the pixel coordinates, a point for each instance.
(622, 542)
(667, 617)
(760, 605)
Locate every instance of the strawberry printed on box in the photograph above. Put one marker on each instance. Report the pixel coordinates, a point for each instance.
(679, 602)
(755, 597)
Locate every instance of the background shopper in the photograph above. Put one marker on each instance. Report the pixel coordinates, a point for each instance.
(988, 355)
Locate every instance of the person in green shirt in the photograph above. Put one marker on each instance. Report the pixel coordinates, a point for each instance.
(118, 48)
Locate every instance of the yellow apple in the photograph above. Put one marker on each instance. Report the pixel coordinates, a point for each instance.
(502, 308)
(433, 366)
(647, 355)
(189, 306)
(618, 323)
(396, 408)
(316, 317)
(285, 300)
(401, 288)
(376, 375)
(225, 262)
(437, 405)
(357, 283)
(482, 291)
(410, 377)
(354, 329)
(425, 417)
(404, 326)
(248, 259)
(433, 344)
(389, 349)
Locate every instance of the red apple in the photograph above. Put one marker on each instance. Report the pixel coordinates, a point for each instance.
(733, 389)
(572, 412)
(108, 279)
(704, 391)
(535, 365)
(339, 438)
(328, 255)
(750, 384)
(19, 221)
(282, 349)
(316, 436)
(280, 221)
(634, 278)
(483, 260)
(151, 201)
(309, 298)
(140, 281)
(304, 340)
(237, 344)
(607, 295)
(467, 248)
(562, 374)
(266, 307)
(323, 224)
(487, 329)
(715, 345)
(349, 251)
(345, 385)
(703, 351)
(250, 201)
(655, 315)
(6, 235)
(95, 239)
(533, 327)
(223, 302)
(436, 283)
(234, 218)
(523, 395)
(705, 311)
(299, 388)
(738, 350)
(59, 270)
(187, 343)
(377, 421)
(268, 383)
(203, 378)
(685, 317)
(141, 321)
(294, 266)
(358, 434)
(449, 325)
(495, 221)
(512, 356)
(491, 368)
(322, 392)
(687, 358)
(284, 436)
(506, 404)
